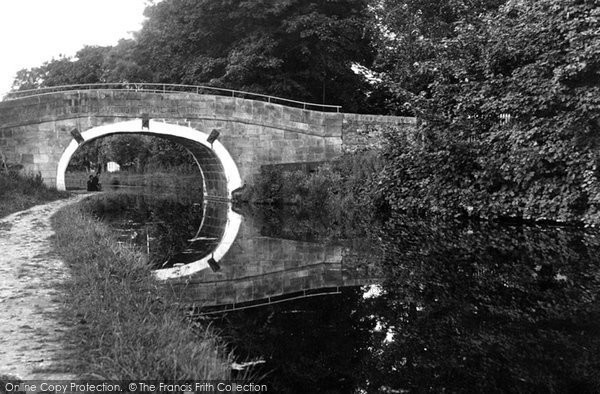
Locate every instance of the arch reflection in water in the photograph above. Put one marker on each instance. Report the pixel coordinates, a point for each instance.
(219, 258)
(254, 269)
(217, 232)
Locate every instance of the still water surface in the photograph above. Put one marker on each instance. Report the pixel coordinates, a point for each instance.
(409, 306)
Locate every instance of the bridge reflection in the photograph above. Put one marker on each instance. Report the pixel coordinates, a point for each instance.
(256, 269)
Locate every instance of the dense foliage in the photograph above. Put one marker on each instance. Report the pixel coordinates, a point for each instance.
(297, 49)
(87, 67)
(511, 118)
(339, 195)
(301, 50)
(22, 191)
(410, 34)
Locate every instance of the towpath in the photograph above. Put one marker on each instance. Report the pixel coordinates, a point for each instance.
(30, 278)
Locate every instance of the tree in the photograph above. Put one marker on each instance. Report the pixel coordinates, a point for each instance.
(297, 49)
(121, 64)
(28, 79)
(86, 67)
(410, 34)
(537, 61)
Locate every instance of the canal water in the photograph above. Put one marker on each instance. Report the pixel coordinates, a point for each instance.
(407, 306)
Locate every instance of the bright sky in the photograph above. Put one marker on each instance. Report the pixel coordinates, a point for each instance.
(35, 31)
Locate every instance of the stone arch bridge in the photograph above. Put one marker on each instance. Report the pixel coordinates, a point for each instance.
(41, 129)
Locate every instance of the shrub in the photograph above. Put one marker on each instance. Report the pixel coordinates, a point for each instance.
(21, 191)
(537, 61)
(344, 192)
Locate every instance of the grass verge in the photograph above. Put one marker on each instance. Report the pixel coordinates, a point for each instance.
(125, 323)
(19, 192)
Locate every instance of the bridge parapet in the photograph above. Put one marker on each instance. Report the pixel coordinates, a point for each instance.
(169, 88)
(171, 105)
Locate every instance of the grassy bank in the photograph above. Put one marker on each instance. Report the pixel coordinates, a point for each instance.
(19, 192)
(127, 325)
(343, 192)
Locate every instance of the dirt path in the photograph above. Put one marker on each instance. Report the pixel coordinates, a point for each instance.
(30, 275)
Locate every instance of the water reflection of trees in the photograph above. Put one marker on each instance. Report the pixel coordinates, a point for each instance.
(297, 223)
(488, 308)
(463, 308)
(311, 345)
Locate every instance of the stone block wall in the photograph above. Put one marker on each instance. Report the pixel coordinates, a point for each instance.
(35, 131)
(182, 106)
(365, 131)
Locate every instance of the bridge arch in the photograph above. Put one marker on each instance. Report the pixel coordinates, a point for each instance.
(219, 170)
